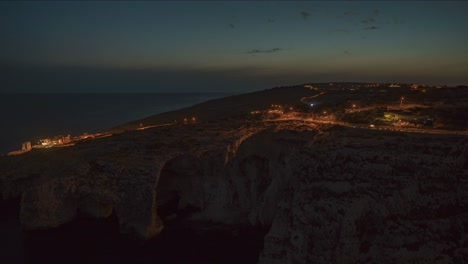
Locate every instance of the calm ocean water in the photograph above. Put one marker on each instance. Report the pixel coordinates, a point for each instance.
(29, 117)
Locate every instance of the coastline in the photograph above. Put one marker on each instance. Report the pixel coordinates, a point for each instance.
(40, 116)
(268, 163)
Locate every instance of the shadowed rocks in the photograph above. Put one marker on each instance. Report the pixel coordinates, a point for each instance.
(322, 193)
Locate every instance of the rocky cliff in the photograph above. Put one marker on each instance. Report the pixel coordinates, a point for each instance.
(325, 194)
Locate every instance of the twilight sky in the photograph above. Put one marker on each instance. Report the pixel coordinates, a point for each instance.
(237, 46)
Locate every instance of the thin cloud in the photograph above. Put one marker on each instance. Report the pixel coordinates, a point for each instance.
(256, 51)
(232, 26)
(371, 28)
(305, 14)
(370, 20)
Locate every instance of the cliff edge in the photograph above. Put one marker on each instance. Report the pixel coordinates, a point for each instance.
(324, 193)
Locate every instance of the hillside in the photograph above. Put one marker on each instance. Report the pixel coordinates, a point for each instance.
(226, 107)
(306, 190)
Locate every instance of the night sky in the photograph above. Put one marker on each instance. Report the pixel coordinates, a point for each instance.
(239, 46)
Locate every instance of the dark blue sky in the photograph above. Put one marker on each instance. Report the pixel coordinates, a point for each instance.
(154, 46)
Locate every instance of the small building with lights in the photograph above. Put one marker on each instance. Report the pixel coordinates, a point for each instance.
(26, 146)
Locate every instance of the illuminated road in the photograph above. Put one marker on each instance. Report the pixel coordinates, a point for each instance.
(303, 99)
(146, 127)
(385, 128)
(306, 100)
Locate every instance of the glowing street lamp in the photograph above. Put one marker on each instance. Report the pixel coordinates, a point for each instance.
(401, 101)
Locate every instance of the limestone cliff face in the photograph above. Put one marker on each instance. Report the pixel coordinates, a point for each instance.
(388, 200)
(242, 183)
(326, 194)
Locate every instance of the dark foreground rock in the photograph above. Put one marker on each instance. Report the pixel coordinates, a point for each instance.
(321, 194)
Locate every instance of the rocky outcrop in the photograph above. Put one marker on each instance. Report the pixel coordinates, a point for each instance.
(326, 194)
(370, 201)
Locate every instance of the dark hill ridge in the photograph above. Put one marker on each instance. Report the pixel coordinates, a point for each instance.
(310, 192)
(216, 109)
(447, 107)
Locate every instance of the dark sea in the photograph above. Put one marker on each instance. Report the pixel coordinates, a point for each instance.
(30, 117)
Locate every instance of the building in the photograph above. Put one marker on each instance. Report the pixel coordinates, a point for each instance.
(26, 146)
(45, 142)
(60, 140)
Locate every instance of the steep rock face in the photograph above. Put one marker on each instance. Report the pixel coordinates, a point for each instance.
(326, 194)
(120, 174)
(336, 195)
(115, 175)
(243, 188)
(48, 205)
(365, 205)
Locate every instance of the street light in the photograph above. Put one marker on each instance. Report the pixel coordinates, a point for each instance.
(401, 102)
